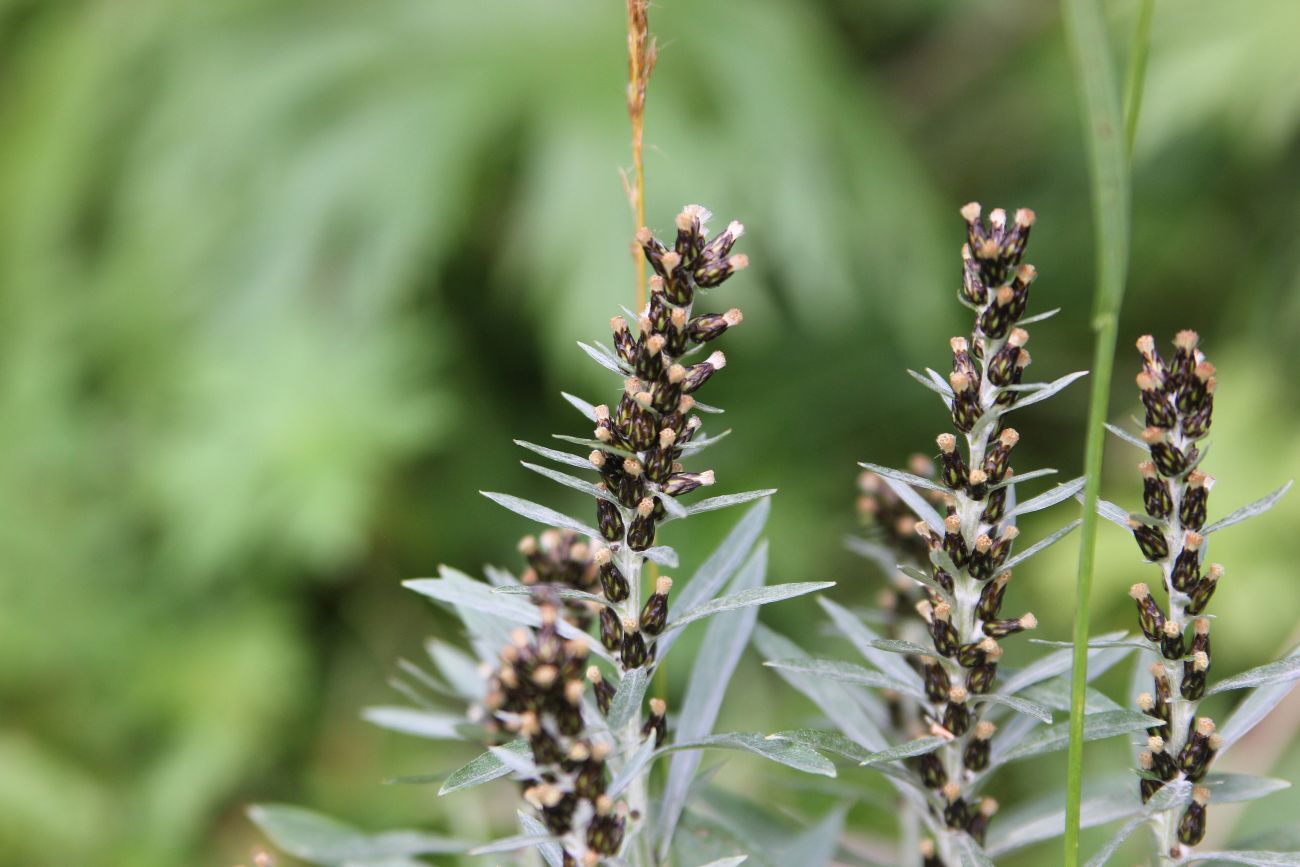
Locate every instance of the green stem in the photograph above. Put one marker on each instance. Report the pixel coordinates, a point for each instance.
(1109, 174)
(1137, 72)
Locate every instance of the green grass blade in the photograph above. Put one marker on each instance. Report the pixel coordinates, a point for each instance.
(1109, 170)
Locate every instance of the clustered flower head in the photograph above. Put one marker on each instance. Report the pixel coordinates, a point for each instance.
(561, 558)
(536, 693)
(965, 621)
(644, 437)
(1178, 398)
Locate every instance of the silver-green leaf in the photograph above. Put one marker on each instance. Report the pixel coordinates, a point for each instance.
(1250, 510)
(747, 599)
(483, 769)
(540, 513)
(320, 839)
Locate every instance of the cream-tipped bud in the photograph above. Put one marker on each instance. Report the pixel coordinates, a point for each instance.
(970, 212)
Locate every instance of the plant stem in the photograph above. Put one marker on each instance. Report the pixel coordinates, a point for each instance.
(1109, 171)
(1136, 75)
(639, 64)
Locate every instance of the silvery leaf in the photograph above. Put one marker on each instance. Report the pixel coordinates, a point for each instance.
(1019, 705)
(552, 853)
(556, 455)
(879, 652)
(699, 444)
(1127, 437)
(726, 500)
(970, 852)
(631, 768)
(421, 723)
(672, 508)
(581, 405)
(943, 389)
(1040, 545)
(320, 839)
(918, 747)
(1095, 727)
(784, 752)
(1243, 856)
(905, 477)
(746, 599)
(1282, 671)
(1038, 317)
(1020, 478)
(512, 844)
(1250, 510)
(663, 555)
(557, 590)
(1254, 708)
(487, 767)
(1063, 491)
(1046, 391)
(1236, 788)
(605, 359)
(725, 638)
(627, 700)
(704, 407)
(569, 481)
(590, 443)
(1167, 798)
(846, 672)
(541, 514)
(873, 551)
(826, 741)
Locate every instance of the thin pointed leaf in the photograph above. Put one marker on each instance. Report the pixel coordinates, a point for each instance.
(833, 699)
(879, 652)
(787, 753)
(704, 407)
(626, 702)
(590, 443)
(1063, 491)
(421, 723)
(1019, 705)
(1046, 391)
(1282, 671)
(845, 672)
(904, 477)
(1237, 788)
(733, 861)
(540, 513)
(512, 844)
(1127, 437)
(314, 837)
(882, 556)
(581, 405)
(1168, 797)
(673, 508)
(1045, 819)
(970, 852)
(699, 443)
(485, 768)
(458, 667)
(1057, 737)
(1245, 856)
(663, 555)
(825, 741)
(552, 853)
(1040, 545)
(1110, 512)
(631, 768)
(746, 599)
(574, 482)
(1039, 317)
(1254, 708)
(576, 461)
(604, 359)
(725, 638)
(915, 502)
(923, 577)
(557, 590)
(918, 747)
(944, 391)
(1249, 510)
(1021, 478)
(722, 502)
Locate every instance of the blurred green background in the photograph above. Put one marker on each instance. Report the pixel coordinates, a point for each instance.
(281, 280)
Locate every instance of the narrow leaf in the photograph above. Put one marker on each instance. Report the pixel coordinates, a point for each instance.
(313, 837)
(970, 852)
(1250, 510)
(1095, 727)
(905, 477)
(918, 747)
(1282, 671)
(581, 405)
(1243, 856)
(725, 639)
(557, 590)
(421, 723)
(1236, 788)
(1040, 545)
(626, 702)
(944, 390)
(1019, 705)
(783, 752)
(512, 844)
(487, 767)
(1021, 478)
(882, 556)
(879, 652)
(556, 455)
(605, 360)
(915, 502)
(1039, 317)
(748, 598)
(663, 555)
(1254, 708)
(845, 672)
(1063, 491)
(825, 741)
(1047, 390)
(1127, 437)
(722, 502)
(540, 513)
(631, 768)
(574, 482)
(552, 853)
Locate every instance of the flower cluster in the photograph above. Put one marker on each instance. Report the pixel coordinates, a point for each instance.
(561, 558)
(645, 436)
(1178, 398)
(963, 608)
(536, 693)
